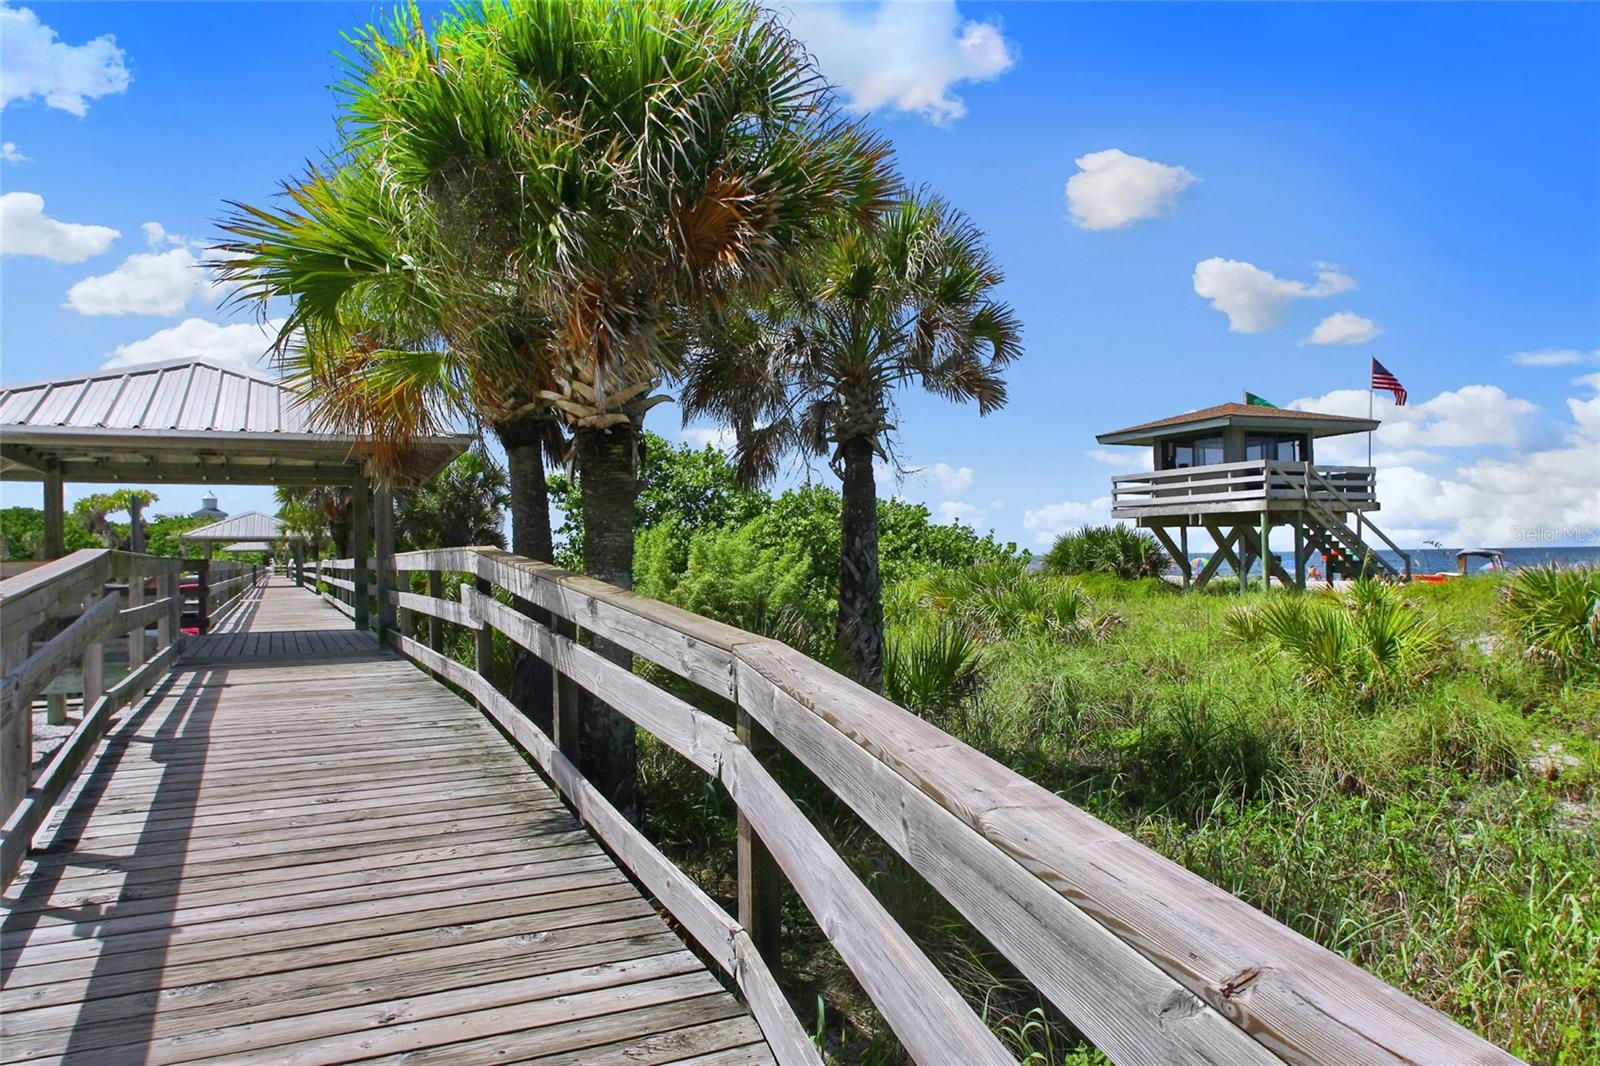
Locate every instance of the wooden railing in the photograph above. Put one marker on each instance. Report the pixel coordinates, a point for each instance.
(1152, 963)
(1253, 485)
(60, 616)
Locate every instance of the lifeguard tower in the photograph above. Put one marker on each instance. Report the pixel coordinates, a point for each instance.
(1236, 470)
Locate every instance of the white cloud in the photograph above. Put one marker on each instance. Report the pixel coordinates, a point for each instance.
(26, 230)
(718, 437)
(1554, 357)
(243, 344)
(953, 481)
(959, 511)
(1473, 416)
(1123, 458)
(1113, 189)
(33, 63)
(1513, 497)
(155, 234)
(147, 283)
(1344, 327)
(903, 56)
(10, 154)
(1053, 519)
(1254, 299)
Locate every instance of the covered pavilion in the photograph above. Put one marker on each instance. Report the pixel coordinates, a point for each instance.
(257, 530)
(199, 421)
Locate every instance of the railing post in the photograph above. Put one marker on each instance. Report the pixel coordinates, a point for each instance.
(760, 887)
(169, 627)
(383, 542)
(483, 639)
(564, 720)
(435, 623)
(360, 534)
(202, 606)
(94, 662)
(136, 634)
(16, 735)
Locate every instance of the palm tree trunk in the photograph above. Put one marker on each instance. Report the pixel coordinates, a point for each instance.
(860, 627)
(607, 749)
(532, 686)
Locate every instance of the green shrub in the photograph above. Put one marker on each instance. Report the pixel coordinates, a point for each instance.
(1554, 616)
(1115, 549)
(930, 667)
(1370, 643)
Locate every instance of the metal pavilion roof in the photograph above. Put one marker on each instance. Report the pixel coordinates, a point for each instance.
(192, 420)
(252, 525)
(249, 546)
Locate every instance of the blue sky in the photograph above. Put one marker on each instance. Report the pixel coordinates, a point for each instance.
(1422, 181)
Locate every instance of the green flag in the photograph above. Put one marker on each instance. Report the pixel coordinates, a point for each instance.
(1252, 400)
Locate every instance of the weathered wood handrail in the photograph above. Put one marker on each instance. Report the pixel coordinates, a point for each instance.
(1151, 962)
(77, 584)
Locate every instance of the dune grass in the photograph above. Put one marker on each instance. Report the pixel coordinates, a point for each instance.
(1393, 806)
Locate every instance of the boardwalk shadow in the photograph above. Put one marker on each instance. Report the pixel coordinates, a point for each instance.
(125, 980)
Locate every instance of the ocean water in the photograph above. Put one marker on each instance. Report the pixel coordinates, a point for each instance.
(1435, 560)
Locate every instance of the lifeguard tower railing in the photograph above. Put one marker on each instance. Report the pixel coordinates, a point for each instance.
(1256, 485)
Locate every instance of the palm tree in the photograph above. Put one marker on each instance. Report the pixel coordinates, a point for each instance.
(815, 368)
(532, 195)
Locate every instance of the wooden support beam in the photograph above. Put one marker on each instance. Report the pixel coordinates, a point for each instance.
(1222, 554)
(1177, 553)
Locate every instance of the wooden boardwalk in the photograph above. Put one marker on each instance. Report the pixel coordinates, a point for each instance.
(300, 848)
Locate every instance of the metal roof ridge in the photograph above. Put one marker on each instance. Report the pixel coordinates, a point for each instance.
(107, 373)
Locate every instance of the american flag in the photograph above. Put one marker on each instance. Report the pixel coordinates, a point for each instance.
(1382, 379)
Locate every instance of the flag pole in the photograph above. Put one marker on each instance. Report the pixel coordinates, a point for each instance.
(1361, 514)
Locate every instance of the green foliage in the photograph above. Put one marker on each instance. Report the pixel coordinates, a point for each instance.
(1115, 549)
(1368, 643)
(162, 538)
(929, 668)
(1554, 616)
(460, 505)
(690, 488)
(23, 529)
(733, 576)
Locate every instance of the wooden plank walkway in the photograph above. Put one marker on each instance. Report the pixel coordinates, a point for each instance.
(302, 849)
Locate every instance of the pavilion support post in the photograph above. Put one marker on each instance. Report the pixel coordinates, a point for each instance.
(360, 537)
(55, 514)
(383, 538)
(1183, 547)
